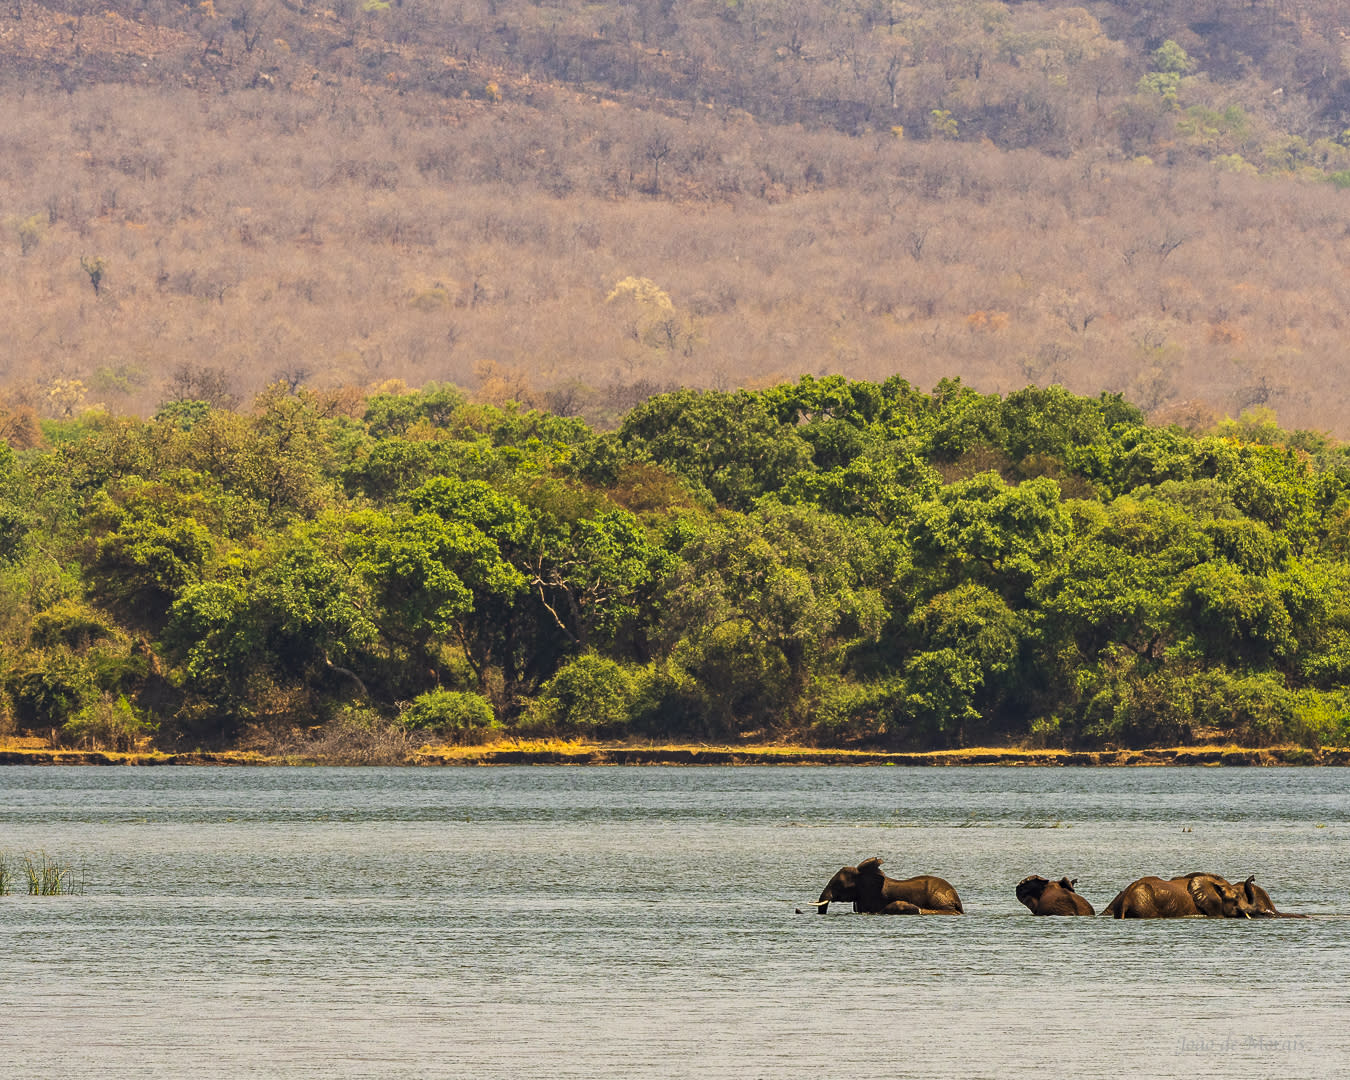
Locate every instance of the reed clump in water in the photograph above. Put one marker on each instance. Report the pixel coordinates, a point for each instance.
(45, 876)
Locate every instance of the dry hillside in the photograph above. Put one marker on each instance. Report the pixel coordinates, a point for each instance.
(575, 205)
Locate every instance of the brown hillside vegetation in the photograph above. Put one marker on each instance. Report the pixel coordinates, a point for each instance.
(575, 205)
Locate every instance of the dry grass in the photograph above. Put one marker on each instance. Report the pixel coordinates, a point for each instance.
(563, 747)
(343, 747)
(41, 755)
(581, 752)
(23, 742)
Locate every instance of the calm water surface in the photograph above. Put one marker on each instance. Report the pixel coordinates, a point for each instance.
(640, 922)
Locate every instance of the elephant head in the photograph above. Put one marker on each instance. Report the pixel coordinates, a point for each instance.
(1217, 898)
(1029, 890)
(1043, 897)
(1258, 904)
(848, 884)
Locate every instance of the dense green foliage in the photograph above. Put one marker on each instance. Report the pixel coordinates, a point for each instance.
(831, 561)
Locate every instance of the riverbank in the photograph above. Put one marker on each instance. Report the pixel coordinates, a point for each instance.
(589, 754)
(32, 752)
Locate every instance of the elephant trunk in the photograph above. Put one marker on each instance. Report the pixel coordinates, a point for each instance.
(823, 904)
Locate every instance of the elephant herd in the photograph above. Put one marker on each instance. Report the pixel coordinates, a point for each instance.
(1208, 895)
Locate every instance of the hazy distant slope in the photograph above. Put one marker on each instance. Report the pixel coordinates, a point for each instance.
(576, 204)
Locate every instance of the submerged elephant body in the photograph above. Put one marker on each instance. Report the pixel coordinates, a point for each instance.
(1196, 895)
(873, 893)
(1043, 897)
(1154, 898)
(1190, 895)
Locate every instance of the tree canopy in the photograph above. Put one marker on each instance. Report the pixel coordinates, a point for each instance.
(827, 561)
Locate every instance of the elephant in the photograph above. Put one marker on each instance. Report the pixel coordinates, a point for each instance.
(873, 893)
(1259, 904)
(1052, 897)
(1192, 894)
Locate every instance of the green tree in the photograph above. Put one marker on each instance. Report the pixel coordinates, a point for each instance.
(152, 540)
(786, 592)
(960, 420)
(314, 608)
(394, 414)
(217, 640)
(1234, 618)
(730, 444)
(424, 572)
(592, 575)
(967, 645)
(1170, 64)
(15, 526)
(1114, 587)
(1171, 57)
(985, 531)
(1055, 422)
(885, 484)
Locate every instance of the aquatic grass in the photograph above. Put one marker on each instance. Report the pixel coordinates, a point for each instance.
(49, 877)
(6, 876)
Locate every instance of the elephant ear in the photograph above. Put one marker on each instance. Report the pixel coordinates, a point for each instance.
(1203, 891)
(870, 866)
(1067, 883)
(1029, 889)
(1225, 899)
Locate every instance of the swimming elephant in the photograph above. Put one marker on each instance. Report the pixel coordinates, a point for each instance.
(1189, 895)
(1052, 897)
(873, 893)
(1258, 904)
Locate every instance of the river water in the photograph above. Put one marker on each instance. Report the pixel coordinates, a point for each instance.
(641, 922)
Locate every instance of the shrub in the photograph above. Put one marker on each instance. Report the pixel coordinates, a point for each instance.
(1127, 702)
(591, 695)
(107, 723)
(453, 714)
(670, 701)
(1045, 732)
(356, 736)
(852, 712)
(1254, 710)
(49, 687)
(68, 623)
(1321, 719)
